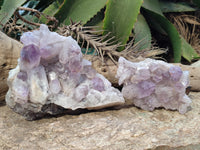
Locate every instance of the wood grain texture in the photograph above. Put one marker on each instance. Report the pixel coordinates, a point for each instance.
(9, 53)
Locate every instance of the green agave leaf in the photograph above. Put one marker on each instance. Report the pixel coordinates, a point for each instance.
(52, 9)
(8, 8)
(197, 58)
(175, 38)
(167, 6)
(96, 22)
(97, 19)
(79, 10)
(187, 51)
(152, 5)
(120, 17)
(142, 33)
(155, 25)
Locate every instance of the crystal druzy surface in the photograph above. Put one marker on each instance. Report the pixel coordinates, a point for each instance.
(153, 83)
(51, 75)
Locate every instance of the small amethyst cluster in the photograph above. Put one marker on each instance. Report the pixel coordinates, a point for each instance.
(51, 70)
(153, 83)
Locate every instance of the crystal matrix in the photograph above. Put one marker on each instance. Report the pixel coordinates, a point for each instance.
(52, 76)
(152, 83)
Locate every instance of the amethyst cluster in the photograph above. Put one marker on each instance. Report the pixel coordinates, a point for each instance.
(153, 83)
(51, 74)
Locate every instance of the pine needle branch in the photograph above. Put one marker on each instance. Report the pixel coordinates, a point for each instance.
(86, 34)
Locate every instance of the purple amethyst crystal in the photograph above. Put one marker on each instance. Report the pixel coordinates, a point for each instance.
(175, 73)
(22, 75)
(52, 75)
(30, 57)
(152, 83)
(98, 84)
(146, 88)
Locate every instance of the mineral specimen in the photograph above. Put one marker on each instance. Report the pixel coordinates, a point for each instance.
(153, 83)
(52, 76)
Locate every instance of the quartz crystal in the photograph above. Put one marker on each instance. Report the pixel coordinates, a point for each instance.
(52, 76)
(153, 83)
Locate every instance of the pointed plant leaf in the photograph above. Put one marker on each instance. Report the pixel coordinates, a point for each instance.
(120, 17)
(156, 26)
(176, 40)
(142, 33)
(97, 19)
(153, 11)
(97, 22)
(152, 5)
(187, 51)
(167, 6)
(8, 8)
(79, 10)
(51, 10)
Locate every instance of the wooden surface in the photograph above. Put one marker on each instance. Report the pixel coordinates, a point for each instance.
(9, 53)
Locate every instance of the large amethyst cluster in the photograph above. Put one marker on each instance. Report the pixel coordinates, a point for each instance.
(153, 83)
(51, 73)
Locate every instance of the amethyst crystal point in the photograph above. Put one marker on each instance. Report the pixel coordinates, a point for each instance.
(97, 84)
(52, 76)
(30, 57)
(153, 83)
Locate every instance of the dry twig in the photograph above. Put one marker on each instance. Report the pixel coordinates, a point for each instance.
(13, 27)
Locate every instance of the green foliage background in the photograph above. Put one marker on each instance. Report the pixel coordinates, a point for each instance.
(120, 18)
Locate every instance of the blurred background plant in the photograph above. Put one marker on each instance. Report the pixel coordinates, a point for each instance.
(128, 28)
